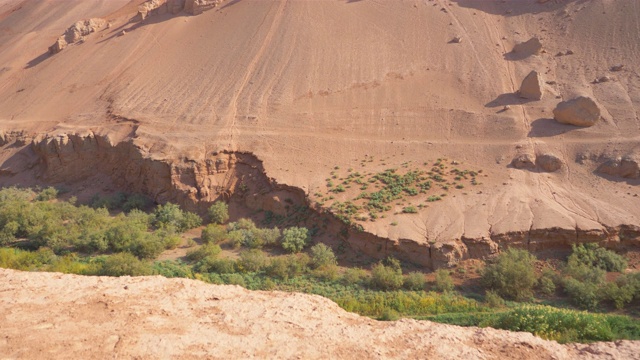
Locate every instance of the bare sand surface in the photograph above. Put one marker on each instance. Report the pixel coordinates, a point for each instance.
(56, 316)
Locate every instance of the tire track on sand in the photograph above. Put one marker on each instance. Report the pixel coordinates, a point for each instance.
(251, 68)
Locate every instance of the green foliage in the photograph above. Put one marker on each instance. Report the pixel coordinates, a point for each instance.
(136, 202)
(593, 256)
(218, 212)
(204, 251)
(354, 276)
(415, 281)
(234, 279)
(492, 299)
(253, 260)
(410, 210)
(215, 265)
(214, 234)
(444, 282)
(46, 194)
(108, 202)
(584, 294)
(546, 283)
(512, 275)
(125, 264)
(386, 277)
(322, 255)
(172, 269)
(171, 215)
(294, 239)
(389, 315)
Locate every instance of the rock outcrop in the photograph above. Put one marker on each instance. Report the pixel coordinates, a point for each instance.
(150, 7)
(86, 317)
(532, 46)
(548, 162)
(197, 7)
(531, 87)
(581, 111)
(626, 167)
(523, 161)
(76, 33)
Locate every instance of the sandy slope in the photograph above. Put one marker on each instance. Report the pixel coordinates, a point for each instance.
(307, 85)
(49, 316)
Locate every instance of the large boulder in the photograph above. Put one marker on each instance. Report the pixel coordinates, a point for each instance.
(523, 161)
(548, 162)
(531, 87)
(532, 46)
(76, 32)
(196, 7)
(626, 167)
(581, 111)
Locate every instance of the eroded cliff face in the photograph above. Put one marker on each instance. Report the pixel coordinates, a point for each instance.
(198, 180)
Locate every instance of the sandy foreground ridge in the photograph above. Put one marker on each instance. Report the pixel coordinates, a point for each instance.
(50, 315)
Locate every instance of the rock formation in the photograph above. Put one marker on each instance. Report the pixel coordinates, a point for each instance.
(523, 161)
(548, 162)
(531, 87)
(197, 7)
(626, 167)
(581, 111)
(76, 32)
(57, 316)
(532, 46)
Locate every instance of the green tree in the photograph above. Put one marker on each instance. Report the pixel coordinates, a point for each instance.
(512, 274)
(294, 239)
(219, 212)
(322, 255)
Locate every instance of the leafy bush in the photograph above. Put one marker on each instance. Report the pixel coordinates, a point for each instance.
(124, 264)
(214, 265)
(171, 215)
(214, 234)
(546, 283)
(494, 300)
(294, 239)
(46, 194)
(354, 276)
(136, 202)
(415, 281)
(204, 251)
(512, 274)
(172, 269)
(253, 260)
(593, 256)
(444, 282)
(234, 279)
(585, 294)
(322, 255)
(219, 212)
(386, 277)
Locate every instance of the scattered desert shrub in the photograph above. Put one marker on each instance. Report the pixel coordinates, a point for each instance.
(218, 213)
(594, 256)
(294, 239)
(234, 279)
(492, 299)
(204, 251)
(214, 265)
(136, 202)
(125, 264)
(415, 281)
(386, 277)
(511, 275)
(322, 256)
(171, 215)
(172, 269)
(444, 281)
(253, 260)
(354, 276)
(46, 194)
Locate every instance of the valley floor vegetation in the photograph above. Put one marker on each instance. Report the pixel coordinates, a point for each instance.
(124, 235)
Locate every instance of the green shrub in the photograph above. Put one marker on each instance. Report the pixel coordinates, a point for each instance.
(253, 260)
(444, 281)
(294, 239)
(124, 264)
(327, 273)
(213, 234)
(409, 210)
(204, 251)
(218, 212)
(623, 290)
(584, 294)
(512, 275)
(322, 255)
(415, 281)
(171, 215)
(354, 276)
(546, 283)
(136, 202)
(172, 269)
(386, 277)
(46, 194)
(112, 202)
(492, 299)
(214, 265)
(270, 237)
(234, 279)
(389, 315)
(593, 256)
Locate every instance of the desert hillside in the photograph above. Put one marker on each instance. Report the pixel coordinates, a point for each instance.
(171, 101)
(52, 315)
